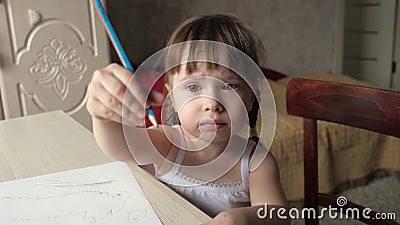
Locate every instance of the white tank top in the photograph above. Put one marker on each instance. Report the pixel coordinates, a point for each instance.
(212, 198)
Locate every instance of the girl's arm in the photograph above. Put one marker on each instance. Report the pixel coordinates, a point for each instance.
(111, 92)
(248, 216)
(109, 136)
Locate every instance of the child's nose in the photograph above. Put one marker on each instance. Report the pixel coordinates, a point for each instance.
(212, 105)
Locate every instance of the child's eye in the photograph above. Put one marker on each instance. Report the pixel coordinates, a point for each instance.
(193, 87)
(229, 86)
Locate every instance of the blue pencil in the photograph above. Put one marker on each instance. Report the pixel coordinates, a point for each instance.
(118, 48)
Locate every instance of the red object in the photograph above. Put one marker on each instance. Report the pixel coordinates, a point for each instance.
(272, 74)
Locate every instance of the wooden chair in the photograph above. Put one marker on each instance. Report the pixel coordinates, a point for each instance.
(363, 107)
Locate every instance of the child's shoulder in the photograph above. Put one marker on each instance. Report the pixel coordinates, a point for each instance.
(262, 157)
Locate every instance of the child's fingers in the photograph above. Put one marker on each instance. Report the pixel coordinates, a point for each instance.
(120, 72)
(136, 89)
(109, 87)
(133, 106)
(131, 109)
(101, 112)
(125, 76)
(109, 100)
(133, 119)
(111, 105)
(156, 98)
(113, 86)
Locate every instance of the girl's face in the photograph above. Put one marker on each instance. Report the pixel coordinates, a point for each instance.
(214, 101)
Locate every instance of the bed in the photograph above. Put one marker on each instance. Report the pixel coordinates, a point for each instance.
(348, 156)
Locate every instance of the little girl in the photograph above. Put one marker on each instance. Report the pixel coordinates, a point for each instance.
(211, 103)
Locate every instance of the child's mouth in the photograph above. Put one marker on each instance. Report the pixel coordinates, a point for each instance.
(212, 125)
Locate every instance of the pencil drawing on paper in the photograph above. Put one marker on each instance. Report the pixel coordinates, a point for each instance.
(76, 198)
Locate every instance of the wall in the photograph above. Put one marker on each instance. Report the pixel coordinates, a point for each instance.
(298, 34)
(396, 75)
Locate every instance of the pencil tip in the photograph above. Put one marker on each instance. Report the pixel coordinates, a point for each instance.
(152, 117)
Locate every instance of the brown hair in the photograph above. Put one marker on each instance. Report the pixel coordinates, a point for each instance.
(227, 29)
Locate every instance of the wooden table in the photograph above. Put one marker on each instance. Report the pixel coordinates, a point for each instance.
(53, 142)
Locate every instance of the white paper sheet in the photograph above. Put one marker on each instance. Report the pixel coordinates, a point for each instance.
(105, 194)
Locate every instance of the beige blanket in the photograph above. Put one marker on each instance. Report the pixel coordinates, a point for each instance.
(346, 154)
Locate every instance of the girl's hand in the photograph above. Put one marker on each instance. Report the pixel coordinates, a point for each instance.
(106, 100)
(227, 218)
